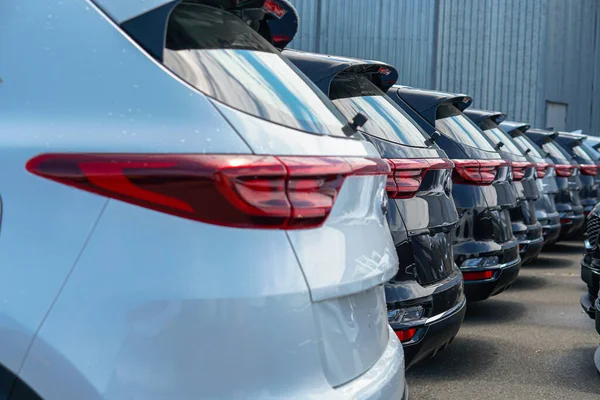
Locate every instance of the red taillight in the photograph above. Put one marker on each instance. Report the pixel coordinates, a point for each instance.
(542, 169)
(564, 170)
(589, 169)
(407, 174)
(519, 169)
(476, 172)
(232, 190)
(477, 276)
(406, 334)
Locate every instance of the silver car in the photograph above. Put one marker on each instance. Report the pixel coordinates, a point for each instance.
(183, 215)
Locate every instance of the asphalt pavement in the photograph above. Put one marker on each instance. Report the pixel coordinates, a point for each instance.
(530, 342)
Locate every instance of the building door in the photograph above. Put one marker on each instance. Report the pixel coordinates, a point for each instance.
(556, 115)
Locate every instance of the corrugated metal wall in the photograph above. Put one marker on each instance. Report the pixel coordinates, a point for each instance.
(510, 55)
(399, 32)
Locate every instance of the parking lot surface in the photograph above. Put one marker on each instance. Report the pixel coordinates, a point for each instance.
(530, 342)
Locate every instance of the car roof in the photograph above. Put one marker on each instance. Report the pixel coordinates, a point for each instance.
(323, 68)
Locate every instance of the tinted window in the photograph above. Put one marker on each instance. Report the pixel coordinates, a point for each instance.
(525, 143)
(498, 135)
(223, 57)
(354, 93)
(453, 124)
(555, 151)
(580, 151)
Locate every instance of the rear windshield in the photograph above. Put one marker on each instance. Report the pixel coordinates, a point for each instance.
(223, 57)
(593, 153)
(555, 151)
(453, 124)
(353, 93)
(496, 135)
(581, 152)
(525, 143)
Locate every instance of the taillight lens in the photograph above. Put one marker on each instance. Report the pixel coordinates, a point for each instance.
(406, 175)
(477, 276)
(589, 169)
(541, 169)
(406, 335)
(519, 169)
(564, 170)
(245, 191)
(476, 172)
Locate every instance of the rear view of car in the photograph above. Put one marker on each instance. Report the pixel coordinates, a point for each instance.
(203, 227)
(545, 207)
(425, 299)
(483, 243)
(588, 169)
(568, 202)
(525, 226)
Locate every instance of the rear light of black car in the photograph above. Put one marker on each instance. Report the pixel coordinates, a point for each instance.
(542, 169)
(476, 172)
(589, 169)
(564, 170)
(406, 175)
(245, 191)
(519, 169)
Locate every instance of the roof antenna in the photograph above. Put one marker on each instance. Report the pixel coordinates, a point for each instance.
(352, 127)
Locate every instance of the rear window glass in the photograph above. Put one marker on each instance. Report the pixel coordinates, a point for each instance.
(580, 151)
(525, 143)
(555, 151)
(453, 124)
(498, 135)
(223, 57)
(353, 93)
(593, 153)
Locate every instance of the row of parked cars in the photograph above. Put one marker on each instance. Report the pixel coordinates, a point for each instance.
(289, 224)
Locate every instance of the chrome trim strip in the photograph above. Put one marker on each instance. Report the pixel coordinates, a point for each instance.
(446, 313)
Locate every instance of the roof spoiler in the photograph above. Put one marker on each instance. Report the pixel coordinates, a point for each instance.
(426, 102)
(322, 69)
(146, 22)
(478, 116)
(514, 128)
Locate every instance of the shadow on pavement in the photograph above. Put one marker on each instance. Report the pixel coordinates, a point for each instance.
(565, 248)
(576, 370)
(528, 283)
(493, 311)
(465, 357)
(547, 261)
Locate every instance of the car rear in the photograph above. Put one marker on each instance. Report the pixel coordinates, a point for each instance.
(228, 240)
(545, 207)
(589, 171)
(425, 299)
(483, 243)
(568, 201)
(525, 226)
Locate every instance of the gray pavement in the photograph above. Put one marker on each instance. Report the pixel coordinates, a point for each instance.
(530, 342)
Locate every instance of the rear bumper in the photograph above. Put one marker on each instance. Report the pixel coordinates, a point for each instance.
(551, 233)
(438, 333)
(503, 278)
(384, 380)
(572, 224)
(529, 249)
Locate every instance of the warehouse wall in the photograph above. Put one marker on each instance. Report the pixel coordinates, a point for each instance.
(399, 32)
(510, 55)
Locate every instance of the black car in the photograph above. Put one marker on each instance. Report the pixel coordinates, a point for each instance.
(426, 303)
(525, 226)
(568, 202)
(590, 266)
(545, 208)
(484, 246)
(588, 169)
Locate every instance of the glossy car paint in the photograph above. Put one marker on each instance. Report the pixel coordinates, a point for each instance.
(484, 228)
(545, 208)
(525, 226)
(573, 145)
(121, 302)
(421, 226)
(567, 200)
(590, 265)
